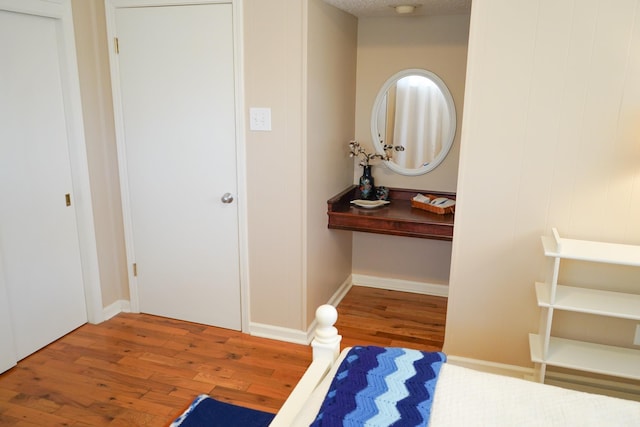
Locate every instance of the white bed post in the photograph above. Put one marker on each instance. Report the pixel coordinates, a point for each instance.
(326, 343)
(326, 349)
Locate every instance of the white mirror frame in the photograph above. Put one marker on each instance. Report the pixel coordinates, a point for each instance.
(447, 140)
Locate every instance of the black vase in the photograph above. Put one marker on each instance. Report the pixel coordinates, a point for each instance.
(367, 189)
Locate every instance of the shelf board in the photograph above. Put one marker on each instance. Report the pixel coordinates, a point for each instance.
(611, 253)
(398, 218)
(589, 357)
(591, 301)
(535, 348)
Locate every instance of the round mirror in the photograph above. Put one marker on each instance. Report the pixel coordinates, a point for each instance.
(413, 110)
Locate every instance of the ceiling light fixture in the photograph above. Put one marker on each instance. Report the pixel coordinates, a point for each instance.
(405, 9)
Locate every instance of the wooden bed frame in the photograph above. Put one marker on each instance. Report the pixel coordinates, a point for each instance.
(462, 396)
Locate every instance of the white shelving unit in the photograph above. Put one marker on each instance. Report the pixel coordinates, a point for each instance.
(547, 350)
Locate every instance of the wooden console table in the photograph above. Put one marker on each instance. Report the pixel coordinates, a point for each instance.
(397, 218)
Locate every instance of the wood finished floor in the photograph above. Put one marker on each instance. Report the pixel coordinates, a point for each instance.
(142, 370)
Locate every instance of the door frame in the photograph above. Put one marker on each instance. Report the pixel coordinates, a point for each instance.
(60, 10)
(110, 10)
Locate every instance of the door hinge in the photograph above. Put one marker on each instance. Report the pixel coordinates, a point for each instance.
(135, 269)
(67, 199)
(116, 45)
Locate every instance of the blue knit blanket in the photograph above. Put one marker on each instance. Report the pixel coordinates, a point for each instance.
(381, 386)
(206, 411)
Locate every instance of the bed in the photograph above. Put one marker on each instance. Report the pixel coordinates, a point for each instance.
(459, 397)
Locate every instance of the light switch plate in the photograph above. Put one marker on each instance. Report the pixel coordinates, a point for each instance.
(260, 119)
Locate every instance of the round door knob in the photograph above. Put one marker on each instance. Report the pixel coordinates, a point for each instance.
(227, 198)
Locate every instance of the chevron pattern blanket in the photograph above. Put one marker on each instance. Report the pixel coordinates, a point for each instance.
(381, 386)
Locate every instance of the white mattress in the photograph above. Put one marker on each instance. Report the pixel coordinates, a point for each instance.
(465, 397)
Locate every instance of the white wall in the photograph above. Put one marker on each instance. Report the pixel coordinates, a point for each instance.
(330, 100)
(550, 138)
(386, 46)
(300, 62)
(95, 87)
(274, 78)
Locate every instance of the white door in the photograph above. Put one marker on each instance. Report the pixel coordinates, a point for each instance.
(176, 77)
(39, 246)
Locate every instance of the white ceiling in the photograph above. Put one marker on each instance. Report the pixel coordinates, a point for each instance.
(367, 8)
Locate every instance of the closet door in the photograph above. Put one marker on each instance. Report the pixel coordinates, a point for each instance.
(39, 240)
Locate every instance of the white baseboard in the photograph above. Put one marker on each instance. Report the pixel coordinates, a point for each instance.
(278, 333)
(120, 306)
(400, 285)
(609, 387)
(294, 335)
(339, 294)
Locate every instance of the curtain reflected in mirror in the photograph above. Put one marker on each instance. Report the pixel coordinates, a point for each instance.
(414, 110)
